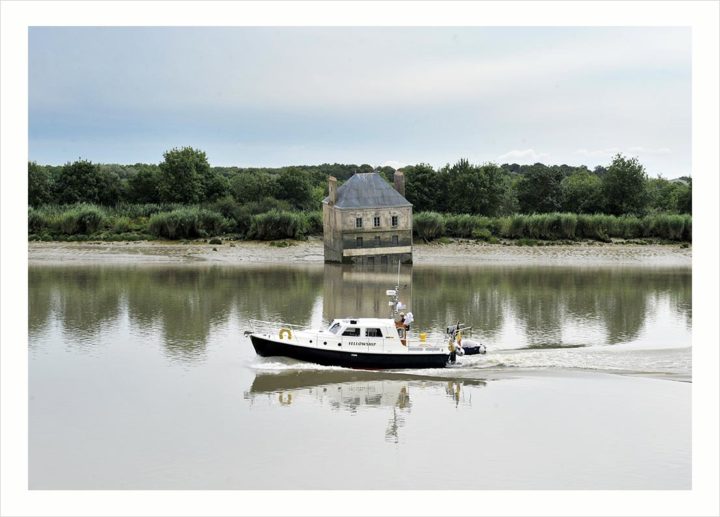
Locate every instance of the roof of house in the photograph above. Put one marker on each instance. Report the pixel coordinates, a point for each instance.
(367, 190)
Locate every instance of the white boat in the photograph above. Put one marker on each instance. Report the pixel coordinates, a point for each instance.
(367, 343)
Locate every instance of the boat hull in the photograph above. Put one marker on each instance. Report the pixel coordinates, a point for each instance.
(269, 348)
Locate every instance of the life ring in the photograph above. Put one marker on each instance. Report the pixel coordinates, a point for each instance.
(285, 331)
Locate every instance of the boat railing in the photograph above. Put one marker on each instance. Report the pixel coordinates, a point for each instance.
(268, 327)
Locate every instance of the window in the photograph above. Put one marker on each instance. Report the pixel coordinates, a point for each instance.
(383, 259)
(352, 331)
(377, 241)
(370, 262)
(373, 333)
(358, 222)
(394, 220)
(358, 242)
(395, 240)
(376, 222)
(335, 328)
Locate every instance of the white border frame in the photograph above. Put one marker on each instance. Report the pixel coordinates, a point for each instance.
(16, 499)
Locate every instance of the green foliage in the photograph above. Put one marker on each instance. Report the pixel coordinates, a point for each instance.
(187, 223)
(144, 185)
(424, 188)
(428, 225)
(275, 225)
(82, 219)
(294, 187)
(183, 176)
(475, 189)
(624, 187)
(539, 190)
(78, 182)
(40, 185)
(247, 187)
(582, 193)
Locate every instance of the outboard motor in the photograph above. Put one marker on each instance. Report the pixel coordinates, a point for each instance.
(472, 347)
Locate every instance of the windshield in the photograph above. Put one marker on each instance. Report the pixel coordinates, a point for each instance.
(335, 328)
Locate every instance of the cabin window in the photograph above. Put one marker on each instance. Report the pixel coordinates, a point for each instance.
(335, 328)
(373, 333)
(376, 222)
(358, 242)
(377, 241)
(394, 220)
(395, 240)
(352, 331)
(358, 222)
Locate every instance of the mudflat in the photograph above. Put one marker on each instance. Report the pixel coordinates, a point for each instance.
(311, 251)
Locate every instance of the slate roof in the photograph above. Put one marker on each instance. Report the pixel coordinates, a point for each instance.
(367, 190)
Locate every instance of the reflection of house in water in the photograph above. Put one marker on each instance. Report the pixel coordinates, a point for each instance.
(353, 291)
(354, 391)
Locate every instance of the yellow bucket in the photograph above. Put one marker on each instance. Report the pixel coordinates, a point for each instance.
(423, 337)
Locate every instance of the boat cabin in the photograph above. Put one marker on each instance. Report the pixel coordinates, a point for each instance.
(362, 332)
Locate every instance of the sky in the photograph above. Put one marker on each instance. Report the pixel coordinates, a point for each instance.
(275, 96)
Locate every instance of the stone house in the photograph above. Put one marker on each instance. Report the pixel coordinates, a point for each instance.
(367, 221)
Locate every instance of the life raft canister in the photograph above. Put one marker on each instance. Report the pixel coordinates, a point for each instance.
(285, 331)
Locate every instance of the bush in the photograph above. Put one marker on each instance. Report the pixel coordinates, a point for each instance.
(187, 223)
(315, 223)
(428, 225)
(275, 225)
(666, 226)
(81, 219)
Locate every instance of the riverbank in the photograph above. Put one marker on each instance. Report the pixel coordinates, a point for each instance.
(311, 252)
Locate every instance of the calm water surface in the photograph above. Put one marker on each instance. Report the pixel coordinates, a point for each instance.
(140, 378)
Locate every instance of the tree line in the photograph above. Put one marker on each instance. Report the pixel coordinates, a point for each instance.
(186, 177)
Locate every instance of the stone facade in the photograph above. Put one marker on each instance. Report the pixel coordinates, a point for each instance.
(369, 235)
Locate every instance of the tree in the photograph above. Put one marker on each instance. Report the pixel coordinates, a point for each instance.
(183, 174)
(143, 185)
(78, 182)
(624, 187)
(582, 193)
(423, 187)
(247, 187)
(294, 187)
(472, 189)
(39, 185)
(539, 189)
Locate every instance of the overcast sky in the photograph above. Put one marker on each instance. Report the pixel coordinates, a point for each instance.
(395, 96)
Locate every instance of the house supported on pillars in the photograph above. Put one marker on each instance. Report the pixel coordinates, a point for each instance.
(367, 221)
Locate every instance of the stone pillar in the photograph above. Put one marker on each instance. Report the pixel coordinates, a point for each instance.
(332, 189)
(400, 182)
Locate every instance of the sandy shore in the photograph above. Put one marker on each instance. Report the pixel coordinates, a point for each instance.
(311, 252)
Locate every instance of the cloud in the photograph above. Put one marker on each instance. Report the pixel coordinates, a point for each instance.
(522, 156)
(646, 150)
(394, 164)
(597, 153)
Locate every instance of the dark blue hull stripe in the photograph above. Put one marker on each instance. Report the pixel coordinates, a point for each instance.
(268, 348)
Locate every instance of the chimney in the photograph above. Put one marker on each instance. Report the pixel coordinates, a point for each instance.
(332, 190)
(400, 182)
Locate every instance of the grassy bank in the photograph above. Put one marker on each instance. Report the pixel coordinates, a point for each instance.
(231, 220)
(167, 221)
(553, 227)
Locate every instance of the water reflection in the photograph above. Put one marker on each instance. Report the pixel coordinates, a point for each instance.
(532, 307)
(354, 391)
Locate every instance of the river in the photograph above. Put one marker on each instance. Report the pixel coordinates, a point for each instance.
(140, 378)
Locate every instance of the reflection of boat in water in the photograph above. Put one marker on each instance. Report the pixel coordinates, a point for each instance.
(367, 343)
(353, 390)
